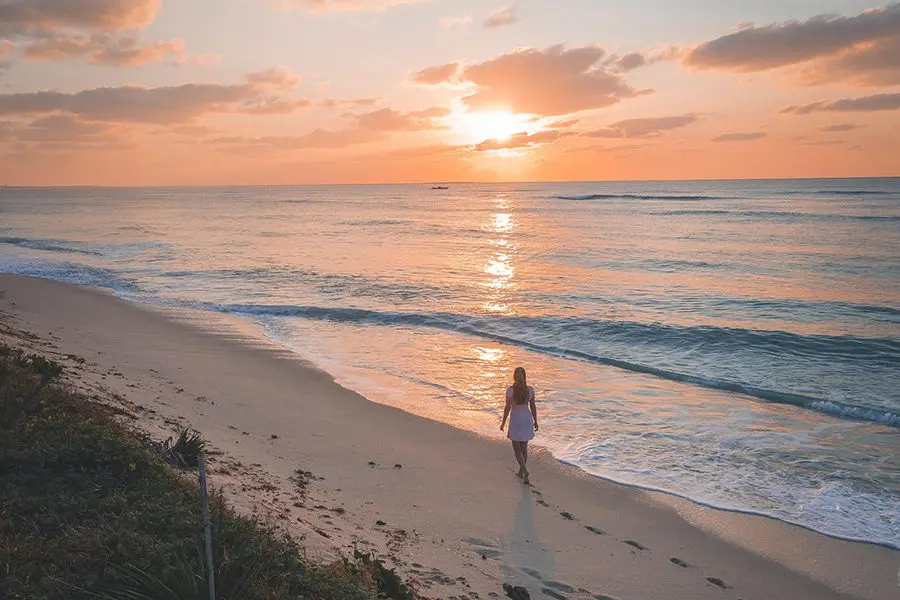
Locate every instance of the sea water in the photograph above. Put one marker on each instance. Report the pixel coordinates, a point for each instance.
(736, 343)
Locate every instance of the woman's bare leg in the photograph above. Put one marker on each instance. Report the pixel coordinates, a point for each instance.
(525, 451)
(517, 450)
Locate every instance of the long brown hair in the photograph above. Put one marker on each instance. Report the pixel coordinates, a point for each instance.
(520, 386)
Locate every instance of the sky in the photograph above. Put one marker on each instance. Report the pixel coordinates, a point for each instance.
(226, 92)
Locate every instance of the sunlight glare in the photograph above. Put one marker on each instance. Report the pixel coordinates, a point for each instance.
(500, 125)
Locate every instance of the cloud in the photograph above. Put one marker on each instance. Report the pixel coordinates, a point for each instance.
(740, 137)
(873, 103)
(22, 17)
(369, 127)
(630, 61)
(644, 127)
(548, 82)
(100, 30)
(448, 22)
(840, 127)
(524, 139)
(337, 102)
(60, 131)
(322, 6)
(102, 49)
(438, 75)
(874, 64)
(276, 77)
(6, 48)
(825, 143)
(862, 49)
(162, 105)
(502, 17)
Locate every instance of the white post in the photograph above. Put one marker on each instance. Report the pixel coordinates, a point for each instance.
(211, 577)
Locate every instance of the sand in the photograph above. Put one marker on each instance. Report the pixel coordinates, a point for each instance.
(441, 504)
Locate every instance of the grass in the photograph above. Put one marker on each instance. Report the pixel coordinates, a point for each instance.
(89, 510)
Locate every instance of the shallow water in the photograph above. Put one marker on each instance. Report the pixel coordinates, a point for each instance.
(736, 343)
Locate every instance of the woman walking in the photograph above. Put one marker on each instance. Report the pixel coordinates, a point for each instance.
(523, 421)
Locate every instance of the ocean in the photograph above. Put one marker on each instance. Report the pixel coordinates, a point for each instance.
(736, 343)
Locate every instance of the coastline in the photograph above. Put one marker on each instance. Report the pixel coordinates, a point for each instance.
(454, 507)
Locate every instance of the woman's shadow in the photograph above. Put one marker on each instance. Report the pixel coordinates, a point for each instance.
(529, 561)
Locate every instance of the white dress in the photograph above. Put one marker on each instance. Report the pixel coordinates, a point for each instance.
(521, 421)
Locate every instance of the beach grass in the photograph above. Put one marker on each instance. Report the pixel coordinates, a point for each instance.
(90, 509)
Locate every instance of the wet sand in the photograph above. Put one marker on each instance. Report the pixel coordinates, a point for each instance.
(441, 504)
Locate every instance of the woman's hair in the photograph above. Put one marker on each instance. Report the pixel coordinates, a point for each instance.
(520, 386)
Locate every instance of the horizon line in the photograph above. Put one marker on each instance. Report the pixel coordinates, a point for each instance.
(461, 182)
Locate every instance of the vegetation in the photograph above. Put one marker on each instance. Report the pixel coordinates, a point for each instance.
(89, 510)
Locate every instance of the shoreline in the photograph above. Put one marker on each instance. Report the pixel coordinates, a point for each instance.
(753, 555)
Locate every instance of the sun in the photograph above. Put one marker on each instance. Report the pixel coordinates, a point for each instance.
(500, 125)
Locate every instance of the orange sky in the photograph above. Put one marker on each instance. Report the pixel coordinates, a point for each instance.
(147, 92)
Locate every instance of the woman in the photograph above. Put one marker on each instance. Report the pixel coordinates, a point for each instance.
(523, 420)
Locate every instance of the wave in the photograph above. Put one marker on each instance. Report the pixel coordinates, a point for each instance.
(838, 193)
(46, 245)
(70, 247)
(71, 273)
(772, 214)
(638, 197)
(874, 351)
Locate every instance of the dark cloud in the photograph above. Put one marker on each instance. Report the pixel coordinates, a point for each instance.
(643, 127)
(163, 105)
(840, 127)
(523, 140)
(502, 17)
(756, 48)
(548, 82)
(740, 137)
(825, 143)
(629, 62)
(862, 49)
(873, 103)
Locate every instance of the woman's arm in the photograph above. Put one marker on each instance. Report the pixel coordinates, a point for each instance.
(534, 410)
(506, 411)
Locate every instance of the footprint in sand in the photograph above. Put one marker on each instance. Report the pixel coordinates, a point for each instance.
(595, 530)
(677, 561)
(634, 544)
(718, 582)
(567, 516)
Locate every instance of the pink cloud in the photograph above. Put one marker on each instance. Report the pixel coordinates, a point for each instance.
(549, 81)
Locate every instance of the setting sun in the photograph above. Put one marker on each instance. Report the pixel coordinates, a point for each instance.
(499, 125)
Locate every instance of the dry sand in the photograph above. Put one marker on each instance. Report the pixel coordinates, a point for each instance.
(441, 504)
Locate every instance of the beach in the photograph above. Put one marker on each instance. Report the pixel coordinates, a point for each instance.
(442, 504)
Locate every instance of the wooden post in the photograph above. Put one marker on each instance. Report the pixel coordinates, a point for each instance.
(210, 569)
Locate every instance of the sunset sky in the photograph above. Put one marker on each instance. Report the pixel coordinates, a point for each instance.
(145, 92)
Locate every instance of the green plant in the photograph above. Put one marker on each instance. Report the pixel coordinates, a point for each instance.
(185, 451)
(90, 511)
